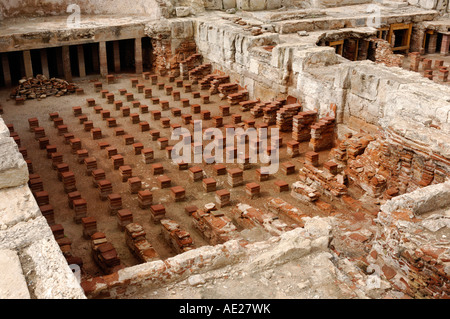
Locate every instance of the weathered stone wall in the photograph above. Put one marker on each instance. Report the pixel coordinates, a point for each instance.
(413, 246)
(440, 5)
(291, 245)
(361, 89)
(20, 8)
(34, 266)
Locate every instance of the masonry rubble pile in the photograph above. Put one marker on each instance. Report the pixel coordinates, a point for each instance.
(104, 253)
(285, 116)
(323, 180)
(41, 87)
(412, 246)
(279, 206)
(304, 192)
(387, 166)
(140, 247)
(179, 239)
(350, 147)
(249, 217)
(214, 226)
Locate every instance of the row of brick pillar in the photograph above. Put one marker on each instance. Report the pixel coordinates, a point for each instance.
(427, 66)
(432, 44)
(64, 64)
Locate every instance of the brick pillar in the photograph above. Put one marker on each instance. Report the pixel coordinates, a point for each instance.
(443, 74)
(95, 63)
(426, 64)
(432, 43)
(417, 36)
(103, 59)
(81, 64)
(445, 44)
(66, 63)
(138, 55)
(414, 61)
(44, 63)
(116, 56)
(27, 63)
(6, 70)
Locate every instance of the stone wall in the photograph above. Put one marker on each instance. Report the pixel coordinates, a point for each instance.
(412, 245)
(34, 264)
(440, 5)
(140, 279)
(21, 8)
(318, 77)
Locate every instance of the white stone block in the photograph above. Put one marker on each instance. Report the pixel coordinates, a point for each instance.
(182, 11)
(229, 4)
(12, 280)
(13, 168)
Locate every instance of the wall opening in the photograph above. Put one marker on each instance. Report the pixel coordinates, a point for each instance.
(16, 66)
(2, 78)
(74, 68)
(127, 63)
(110, 56)
(36, 61)
(147, 54)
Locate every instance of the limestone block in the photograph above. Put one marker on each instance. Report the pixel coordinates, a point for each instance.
(13, 168)
(4, 131)
(365, 85)
(257, 4)
(422, 200)
(182, 11)
(428, 4)
(229, 4)
(243, 4)
(273, 4)
(213, 4)
(20, 206)
(12, 280)
(24, 233)
(50, 276)
(181, 29)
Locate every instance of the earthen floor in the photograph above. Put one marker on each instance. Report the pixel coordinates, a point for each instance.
(195, 195)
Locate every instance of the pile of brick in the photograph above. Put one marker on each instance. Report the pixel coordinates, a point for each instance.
(384, 53)
(138, 244)
(180, 240)
(392, 162)
(41, 87)
(200, 71)
(205, 82)
(411, 256)
(189, 63)
(301, 125)
(236, 98)
(322, 134)
(350, 147)
(270, 112)
(285, 116)
(249, 217)
(214, 226)
(280, 207)
(304, 192)
(258, 110)
(325, 181)
(218, 80)
(104, 253)
(245, 106)
(226, 89)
